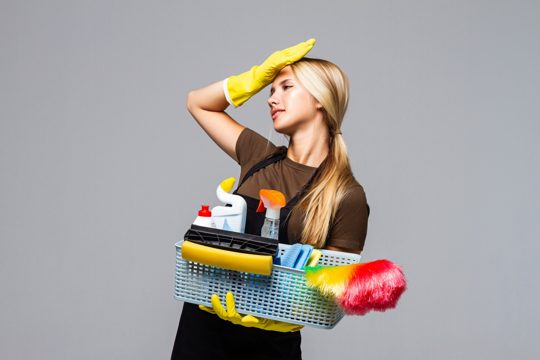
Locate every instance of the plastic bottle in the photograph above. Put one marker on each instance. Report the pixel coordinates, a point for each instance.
(270, 228)
(232, 218)
(204, 217)
(272, 201)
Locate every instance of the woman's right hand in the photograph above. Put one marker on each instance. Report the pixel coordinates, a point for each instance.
(239, 88)
(207, 105)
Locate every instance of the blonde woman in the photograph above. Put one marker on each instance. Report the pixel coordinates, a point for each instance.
(326, 206)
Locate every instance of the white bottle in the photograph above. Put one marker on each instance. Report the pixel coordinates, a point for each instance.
(232, 218)
(205, 218)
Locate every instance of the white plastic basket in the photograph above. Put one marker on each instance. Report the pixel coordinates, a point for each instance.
(282, 296)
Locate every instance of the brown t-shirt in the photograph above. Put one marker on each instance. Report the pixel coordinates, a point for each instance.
(350, 224)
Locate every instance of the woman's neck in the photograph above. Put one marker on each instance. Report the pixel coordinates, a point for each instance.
(308, 148)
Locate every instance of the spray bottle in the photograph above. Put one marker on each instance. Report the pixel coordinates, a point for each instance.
(272, 201)
(233, 217)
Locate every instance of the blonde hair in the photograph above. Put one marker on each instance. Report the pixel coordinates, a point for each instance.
(330, 87)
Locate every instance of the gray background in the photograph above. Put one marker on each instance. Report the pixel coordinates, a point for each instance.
(103, 169)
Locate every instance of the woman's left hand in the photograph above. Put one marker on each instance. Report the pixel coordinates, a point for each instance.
(248, 320)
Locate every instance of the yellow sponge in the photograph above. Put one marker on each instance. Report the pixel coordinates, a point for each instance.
(231, 260)
(314, 257)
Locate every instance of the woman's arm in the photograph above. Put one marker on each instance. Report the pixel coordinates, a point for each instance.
(349, 230)
(207, 106)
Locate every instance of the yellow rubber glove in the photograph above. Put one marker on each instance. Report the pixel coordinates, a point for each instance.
(248, 320)
(239, 88)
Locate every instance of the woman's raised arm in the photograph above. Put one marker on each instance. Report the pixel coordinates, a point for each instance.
(207, 106)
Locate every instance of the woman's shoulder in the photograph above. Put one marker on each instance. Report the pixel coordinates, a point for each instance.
(355, 191)
(252, 146)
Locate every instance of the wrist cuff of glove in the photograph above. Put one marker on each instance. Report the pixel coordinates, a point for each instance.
(226, 92)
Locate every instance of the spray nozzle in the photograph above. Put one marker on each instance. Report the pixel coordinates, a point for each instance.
(271, 201)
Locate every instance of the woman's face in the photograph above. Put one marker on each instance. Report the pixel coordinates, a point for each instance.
(292, 107)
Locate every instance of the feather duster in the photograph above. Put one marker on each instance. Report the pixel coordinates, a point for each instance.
(360, 288)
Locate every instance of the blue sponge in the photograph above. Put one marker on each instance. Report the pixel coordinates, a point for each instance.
(296, 256)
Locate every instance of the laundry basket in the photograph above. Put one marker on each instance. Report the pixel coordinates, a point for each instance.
(281, 296)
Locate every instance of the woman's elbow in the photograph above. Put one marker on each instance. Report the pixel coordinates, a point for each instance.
(190, 103)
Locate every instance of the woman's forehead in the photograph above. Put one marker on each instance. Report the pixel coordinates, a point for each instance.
(286, 72)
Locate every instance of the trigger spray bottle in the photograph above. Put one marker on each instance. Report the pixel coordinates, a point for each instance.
(272, 201)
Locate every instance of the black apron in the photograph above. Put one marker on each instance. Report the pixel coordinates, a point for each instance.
(205, 336)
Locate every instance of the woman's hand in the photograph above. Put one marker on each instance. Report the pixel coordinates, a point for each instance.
(207, 105)
(248, 320)
(239, 88)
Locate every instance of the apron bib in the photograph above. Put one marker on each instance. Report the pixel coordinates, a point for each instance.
(205, 336)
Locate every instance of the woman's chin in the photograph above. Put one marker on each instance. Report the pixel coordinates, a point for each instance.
(282, 130)
(281, 127)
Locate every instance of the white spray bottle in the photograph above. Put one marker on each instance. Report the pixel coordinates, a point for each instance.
(232, 218)
(272, 201)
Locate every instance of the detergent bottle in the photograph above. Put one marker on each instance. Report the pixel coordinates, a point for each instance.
(204, 217)
(272, 201)
(232, 217)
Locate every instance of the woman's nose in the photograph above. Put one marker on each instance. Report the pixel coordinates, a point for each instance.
(272, 100)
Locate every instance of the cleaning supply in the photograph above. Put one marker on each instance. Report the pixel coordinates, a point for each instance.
(296, 256)
(262, 296)
(231, 260)
(239, 88)
(272, 201)
(230, 240)
(360, 288)
(204, 218)
(248, 320)
(314, 257)
(233, 217)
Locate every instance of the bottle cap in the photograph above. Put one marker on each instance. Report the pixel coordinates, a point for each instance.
(205, 212)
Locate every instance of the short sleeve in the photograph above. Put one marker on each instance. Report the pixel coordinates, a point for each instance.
(350, 224)
(251, 147)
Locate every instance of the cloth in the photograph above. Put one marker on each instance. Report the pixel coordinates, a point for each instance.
(350, 225)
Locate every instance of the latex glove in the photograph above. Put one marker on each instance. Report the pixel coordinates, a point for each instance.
(248, 320)
(239, 88)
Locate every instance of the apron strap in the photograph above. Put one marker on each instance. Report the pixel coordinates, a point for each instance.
(278, 155)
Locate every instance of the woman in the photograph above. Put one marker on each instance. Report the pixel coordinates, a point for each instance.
(326, 206)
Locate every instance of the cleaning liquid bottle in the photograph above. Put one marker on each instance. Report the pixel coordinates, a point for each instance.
(204, 217)
(272, 201)
(232, 217)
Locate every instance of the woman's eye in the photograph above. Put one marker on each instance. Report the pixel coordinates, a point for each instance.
(285, 87)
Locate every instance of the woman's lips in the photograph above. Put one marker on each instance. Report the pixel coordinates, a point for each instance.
(276, 114)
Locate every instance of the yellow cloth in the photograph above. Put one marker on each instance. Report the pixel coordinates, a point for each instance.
(248, 320)
(239, 88)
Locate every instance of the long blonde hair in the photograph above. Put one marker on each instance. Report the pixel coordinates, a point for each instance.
(330, 87)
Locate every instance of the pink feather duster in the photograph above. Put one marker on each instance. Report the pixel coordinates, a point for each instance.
(360, 288)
